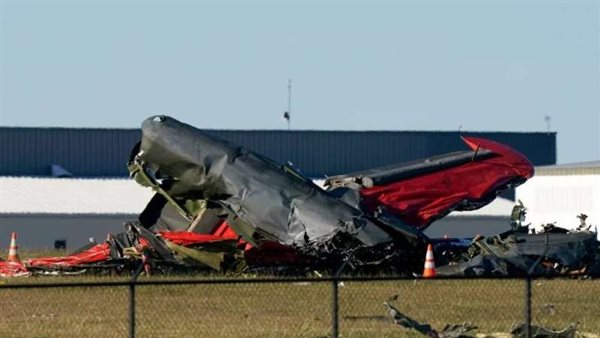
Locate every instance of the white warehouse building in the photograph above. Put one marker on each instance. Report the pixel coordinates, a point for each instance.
(44, 211)
(558, 193)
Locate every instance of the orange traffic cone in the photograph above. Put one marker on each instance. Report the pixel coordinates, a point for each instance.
(13, 255)
(429, 270)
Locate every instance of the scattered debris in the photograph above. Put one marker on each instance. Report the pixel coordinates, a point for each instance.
(541, 332)
(163, 252)
(553, 251)
(463, 330)
(449, 331)
(393, 298)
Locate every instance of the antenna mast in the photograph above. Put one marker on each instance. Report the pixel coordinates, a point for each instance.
(289, 111)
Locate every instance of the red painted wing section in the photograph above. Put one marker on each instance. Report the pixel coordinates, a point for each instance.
(98, 253)
(420, 200)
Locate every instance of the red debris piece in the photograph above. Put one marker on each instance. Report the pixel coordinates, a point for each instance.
(12, 269)
(100, 252)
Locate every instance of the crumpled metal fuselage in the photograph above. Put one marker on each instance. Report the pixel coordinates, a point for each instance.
(262, 200)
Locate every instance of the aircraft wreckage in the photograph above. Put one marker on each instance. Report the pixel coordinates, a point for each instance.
(220, 206)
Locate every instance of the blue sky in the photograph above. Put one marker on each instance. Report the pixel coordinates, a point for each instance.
(354, 65)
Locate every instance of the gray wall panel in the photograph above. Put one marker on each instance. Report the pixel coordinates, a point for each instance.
(104, 152)
(84, 152)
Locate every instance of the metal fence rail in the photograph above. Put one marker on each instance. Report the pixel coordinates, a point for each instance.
(301, 307)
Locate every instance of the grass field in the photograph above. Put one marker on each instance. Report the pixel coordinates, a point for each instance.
(288, 309)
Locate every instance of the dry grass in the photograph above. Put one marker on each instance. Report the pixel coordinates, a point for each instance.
(289, 309)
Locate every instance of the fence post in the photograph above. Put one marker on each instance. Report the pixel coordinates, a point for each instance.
(528, 306)
(132, 309)
(335, 309)
(528, 287)
(134, 278)
(336, 299)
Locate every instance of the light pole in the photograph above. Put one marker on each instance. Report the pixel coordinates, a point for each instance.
(288, 114)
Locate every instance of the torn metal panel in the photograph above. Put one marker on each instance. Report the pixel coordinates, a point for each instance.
(153, 242)
(480, 265)
(571, 250)
(192, 256)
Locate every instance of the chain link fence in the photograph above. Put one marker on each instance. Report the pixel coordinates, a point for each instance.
(324, 307)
